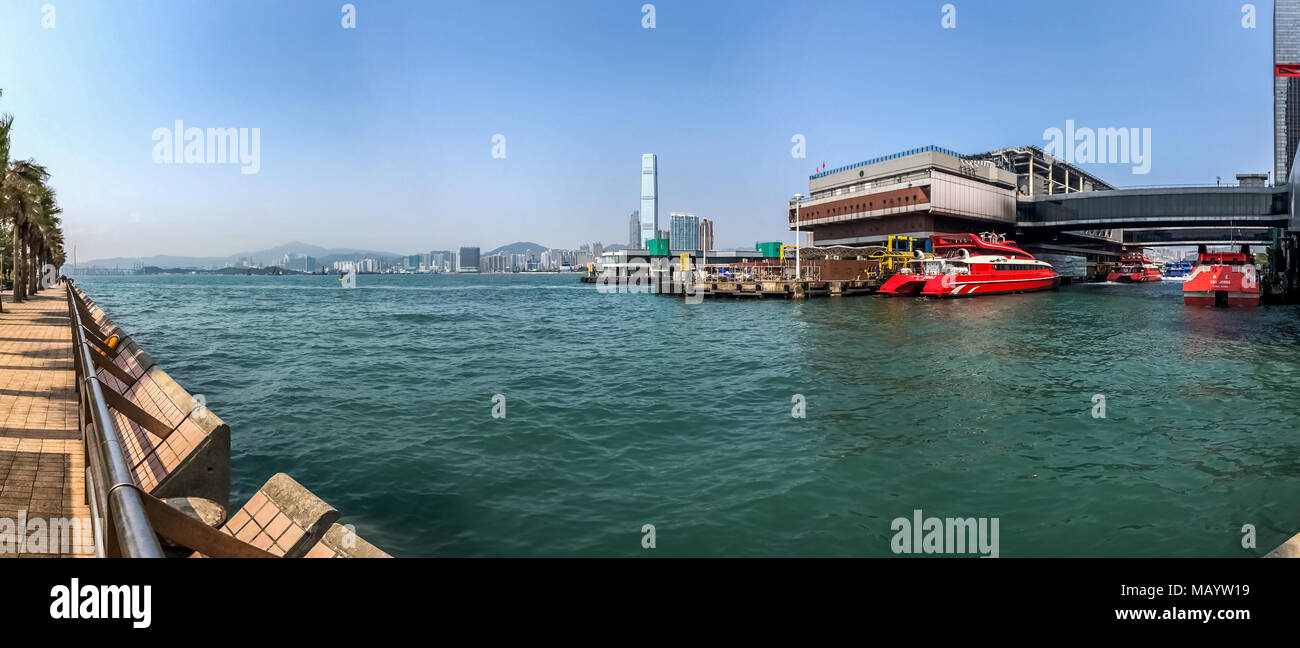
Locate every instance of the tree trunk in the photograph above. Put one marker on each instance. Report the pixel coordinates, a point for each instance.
(34, 280)
(27, 262)
(18, 263)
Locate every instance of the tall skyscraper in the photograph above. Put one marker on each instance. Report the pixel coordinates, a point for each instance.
(685, 232)
(634, 231)
(467, 260)
(706, 234)
(649, 197)
(1286, 86)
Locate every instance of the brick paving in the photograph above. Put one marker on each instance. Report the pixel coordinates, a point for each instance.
(42, 464)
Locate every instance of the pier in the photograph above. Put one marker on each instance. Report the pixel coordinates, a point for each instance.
(780, 289)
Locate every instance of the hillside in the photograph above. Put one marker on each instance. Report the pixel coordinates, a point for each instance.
(522, 247)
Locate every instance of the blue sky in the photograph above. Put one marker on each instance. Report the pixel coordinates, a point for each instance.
(381, 137)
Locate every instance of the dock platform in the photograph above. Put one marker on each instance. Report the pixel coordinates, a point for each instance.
(42, 463)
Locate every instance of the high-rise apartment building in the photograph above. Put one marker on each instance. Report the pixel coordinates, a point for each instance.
(684, 232)
(467, 260)
(706, 234)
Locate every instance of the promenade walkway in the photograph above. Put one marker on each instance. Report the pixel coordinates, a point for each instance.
(42, 465)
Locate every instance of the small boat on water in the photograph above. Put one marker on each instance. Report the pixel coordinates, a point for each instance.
(1175, 269)
(1223, 279)
(967, 265)
(1134, 267)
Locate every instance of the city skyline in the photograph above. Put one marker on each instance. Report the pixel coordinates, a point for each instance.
(361, 153)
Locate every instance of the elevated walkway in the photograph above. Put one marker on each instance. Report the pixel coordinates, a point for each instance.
(1156, 207)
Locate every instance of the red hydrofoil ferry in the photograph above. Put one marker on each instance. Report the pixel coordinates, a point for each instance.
(965, 265)
(1223, 279)
(1134, 267)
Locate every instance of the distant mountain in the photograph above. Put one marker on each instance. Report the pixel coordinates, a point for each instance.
(323, 256)
(522, 247)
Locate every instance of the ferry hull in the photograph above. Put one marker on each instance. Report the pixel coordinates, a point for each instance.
(964, 286)
(1213, 298)
(976, 287)
(904, 285)
(1223, 279)
(966, 265)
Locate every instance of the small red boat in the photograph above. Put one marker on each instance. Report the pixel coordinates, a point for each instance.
(966, 265)
(1134, 267)
(1223, 279)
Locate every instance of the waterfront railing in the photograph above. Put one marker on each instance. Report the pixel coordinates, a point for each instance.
(121, 524)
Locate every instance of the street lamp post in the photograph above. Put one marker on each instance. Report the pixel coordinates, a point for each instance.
(797, 271)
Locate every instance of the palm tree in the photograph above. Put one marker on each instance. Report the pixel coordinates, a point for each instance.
(21, 197)
(44, 237)
(6, 125)
(29, 207)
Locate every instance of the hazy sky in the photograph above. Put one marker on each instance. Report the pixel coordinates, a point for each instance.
(381, 136)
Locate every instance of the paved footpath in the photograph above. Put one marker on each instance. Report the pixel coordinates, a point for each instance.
(42, 465)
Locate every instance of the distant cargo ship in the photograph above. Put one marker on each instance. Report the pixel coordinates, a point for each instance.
(1223, 279)
(1134, 267)
(965, 265)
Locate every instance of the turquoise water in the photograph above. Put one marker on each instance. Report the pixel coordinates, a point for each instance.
(626, 410)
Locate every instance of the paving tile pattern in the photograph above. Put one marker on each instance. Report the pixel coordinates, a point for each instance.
(42, 463)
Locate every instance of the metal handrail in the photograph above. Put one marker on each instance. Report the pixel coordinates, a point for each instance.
(120, 520)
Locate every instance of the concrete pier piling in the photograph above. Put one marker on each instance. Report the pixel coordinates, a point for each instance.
(87, 412)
